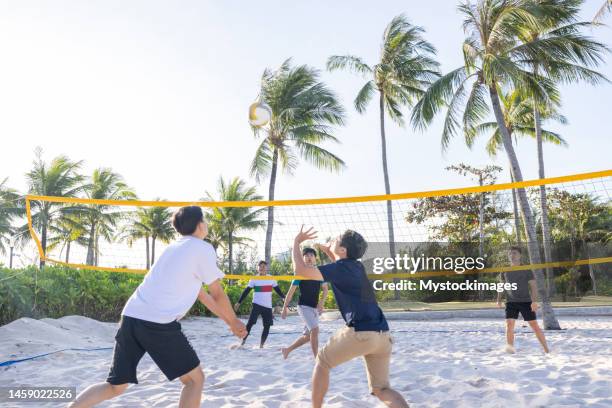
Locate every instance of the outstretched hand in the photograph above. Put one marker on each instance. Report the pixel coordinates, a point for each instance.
(302, 236)
(324, 247)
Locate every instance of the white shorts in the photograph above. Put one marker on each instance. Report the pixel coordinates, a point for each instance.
(310, 316)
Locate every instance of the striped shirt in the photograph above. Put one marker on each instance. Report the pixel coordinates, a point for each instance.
(263, 291)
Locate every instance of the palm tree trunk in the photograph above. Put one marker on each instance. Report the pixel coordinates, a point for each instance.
(230, 251)
(43, 237)
(383, 144)
(481, 230)
(90, 244)
(591, 270)
(268, 248)
(574, 280)
(517, 219)
(546, 238)
(148, 263)
(550, 321)
(153, 250)
(97, 249)
(481, 221)
(68, 252)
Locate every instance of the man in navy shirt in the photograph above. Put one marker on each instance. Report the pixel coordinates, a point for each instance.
(366, 333)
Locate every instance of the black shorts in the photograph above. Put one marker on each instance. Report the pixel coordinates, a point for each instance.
(513, 309)
(165, 343)
(265, 312)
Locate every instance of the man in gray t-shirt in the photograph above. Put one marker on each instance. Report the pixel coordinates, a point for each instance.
(521, 298)
(521, 279)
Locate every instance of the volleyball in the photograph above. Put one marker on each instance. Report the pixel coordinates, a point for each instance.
(259, 114)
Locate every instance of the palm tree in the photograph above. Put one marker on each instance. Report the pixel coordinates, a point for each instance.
(101, 220)
(605, 9)
(215, 235)
(136, 229)
(404, 70)
(68, 228)
(232, 220)
(158, 220)
(494, 58)
(11, 207)
(58, 178)
(519, 119)
(575, 54)
(304, 112)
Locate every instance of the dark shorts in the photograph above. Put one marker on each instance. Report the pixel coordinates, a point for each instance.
(264, 312)
(165, 343)
(513, 309)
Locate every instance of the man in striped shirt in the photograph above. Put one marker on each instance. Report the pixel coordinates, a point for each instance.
(262, 302)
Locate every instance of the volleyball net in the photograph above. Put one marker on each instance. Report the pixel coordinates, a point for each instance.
(128, 236)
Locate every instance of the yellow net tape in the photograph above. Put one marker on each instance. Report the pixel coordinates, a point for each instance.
(336, 200)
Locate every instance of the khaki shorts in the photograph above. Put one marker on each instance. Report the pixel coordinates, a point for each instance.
(375, 348)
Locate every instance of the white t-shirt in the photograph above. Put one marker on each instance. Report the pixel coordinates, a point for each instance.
(172, 285)
(263, 291)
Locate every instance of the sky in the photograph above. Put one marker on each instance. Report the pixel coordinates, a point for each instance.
(159, 91)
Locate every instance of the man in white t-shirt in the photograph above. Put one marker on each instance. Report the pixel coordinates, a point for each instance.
(149, 321)
(262, 302)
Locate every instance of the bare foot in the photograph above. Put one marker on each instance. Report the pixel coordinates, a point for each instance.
(285, 352)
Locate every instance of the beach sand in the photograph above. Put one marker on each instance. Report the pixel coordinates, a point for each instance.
(446, 363)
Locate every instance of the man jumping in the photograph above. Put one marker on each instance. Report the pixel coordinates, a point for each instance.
(310, 306)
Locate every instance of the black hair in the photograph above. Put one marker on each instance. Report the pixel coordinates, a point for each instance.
(186, 219)
(516, 248)
(262, 262)
(354, 243)
(309, 250)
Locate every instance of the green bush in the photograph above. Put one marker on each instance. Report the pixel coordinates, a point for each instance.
(57, 291)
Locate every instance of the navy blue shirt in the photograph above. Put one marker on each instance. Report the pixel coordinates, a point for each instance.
(354, 295)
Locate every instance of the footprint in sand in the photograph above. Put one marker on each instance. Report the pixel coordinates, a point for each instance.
(478, 382)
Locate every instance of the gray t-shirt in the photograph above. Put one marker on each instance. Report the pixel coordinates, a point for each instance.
(521, 278)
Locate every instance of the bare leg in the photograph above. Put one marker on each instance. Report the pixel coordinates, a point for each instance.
(320, 384)
(510, 331)
(314, 341)
(193, 382)
(539, 334)
(300, 341)
(390, 397)
(97, 393)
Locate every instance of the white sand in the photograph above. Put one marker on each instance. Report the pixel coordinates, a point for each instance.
(451, 363)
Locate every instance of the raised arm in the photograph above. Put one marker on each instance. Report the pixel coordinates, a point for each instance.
(299, 266)
(326, 248)
(218, 303)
